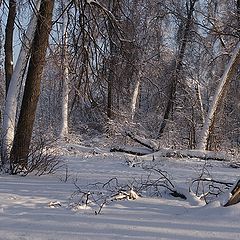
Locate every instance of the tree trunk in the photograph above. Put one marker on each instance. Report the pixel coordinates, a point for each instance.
(238, 17)
(112, 62)
(178, 67)
(65, 77)
(134, 98)
(9, 42)
(200, 102)
(228, 74)
(10, 110)
(22, 138)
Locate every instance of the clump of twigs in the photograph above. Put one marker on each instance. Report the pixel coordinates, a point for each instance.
(207, 188)
(43, 158)
(97, 195)
(159, 181)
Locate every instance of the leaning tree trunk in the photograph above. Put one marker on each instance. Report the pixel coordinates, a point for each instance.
(234, 196)
(9, 42)
(10, 110)
(178, 67)
(20, 150)
(228, 74)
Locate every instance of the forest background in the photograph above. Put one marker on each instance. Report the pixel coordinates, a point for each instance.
(166, 70)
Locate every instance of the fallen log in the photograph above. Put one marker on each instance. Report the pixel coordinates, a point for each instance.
(133, 151)
(205, 155)
(172, 153)
(143, 141)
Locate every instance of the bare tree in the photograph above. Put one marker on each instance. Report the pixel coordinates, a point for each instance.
(11, 102)
(179, 63)
(218, 98)
(22, 138)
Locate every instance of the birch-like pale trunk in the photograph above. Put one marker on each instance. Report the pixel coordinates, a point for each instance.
(65, 78)
(10, 110)
(134, 98)
(199, 98)
(225, 80)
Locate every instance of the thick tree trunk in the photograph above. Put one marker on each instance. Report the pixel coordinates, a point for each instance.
(10, 110)
(178, 67)
(22, 138)
(228, 74)
(9, 42)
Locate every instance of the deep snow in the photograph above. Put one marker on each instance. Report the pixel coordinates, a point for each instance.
(27, 209)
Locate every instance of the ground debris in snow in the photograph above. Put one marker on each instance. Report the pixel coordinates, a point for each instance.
(54, 204)
(130, 195)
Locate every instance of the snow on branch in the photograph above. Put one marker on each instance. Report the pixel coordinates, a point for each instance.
(205, 155)
(171, 153)
(96, 196)
(143, 141)
(131, 150)
(104, 9)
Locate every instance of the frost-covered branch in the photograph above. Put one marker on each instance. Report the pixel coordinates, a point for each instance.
(143, 141)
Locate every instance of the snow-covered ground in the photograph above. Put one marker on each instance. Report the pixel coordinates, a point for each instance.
(35, 207)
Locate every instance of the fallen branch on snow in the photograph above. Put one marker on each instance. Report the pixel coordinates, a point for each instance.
(171, 153)
(143, 141)
(129, 150)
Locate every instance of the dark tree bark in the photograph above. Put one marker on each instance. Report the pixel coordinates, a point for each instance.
(238, 17)
(22, 139)
(112, 62)
(9, 42)
(178, 66)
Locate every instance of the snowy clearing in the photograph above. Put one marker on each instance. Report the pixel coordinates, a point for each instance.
(35, 207)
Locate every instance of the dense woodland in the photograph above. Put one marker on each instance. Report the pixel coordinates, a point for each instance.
(167, 70)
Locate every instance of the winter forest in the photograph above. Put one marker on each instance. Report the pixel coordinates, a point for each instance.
(108, 101)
